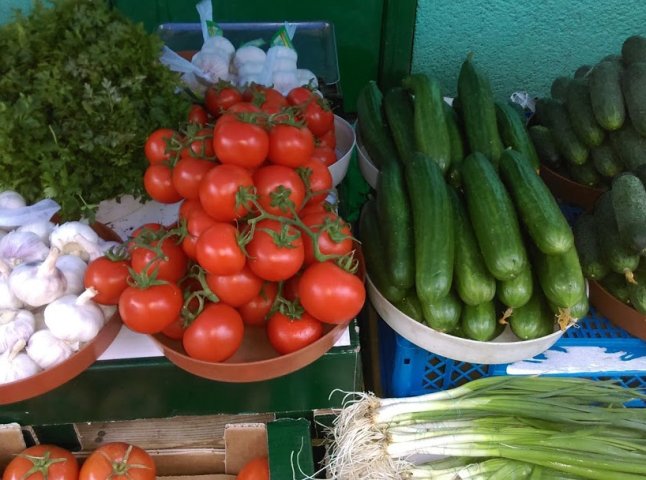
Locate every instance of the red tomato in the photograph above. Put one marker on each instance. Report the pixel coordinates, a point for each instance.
(201, 145)
(275, 251)
(189, 206)
(300, 96)
(175, 330)
(236, 289)
(197, 114)
(166, 260)
(150, 309)
(118, 461)
(219, 189)
(256, 469)
(218, 251)
(158, 182)
(159, 143)
(215, 334)
(290, 145)
(319, 179)
(290, 287)
(328, 139)
(42, 462)
(324, 154)
(279, 182)
(315, 207)
(148, 232)
(331, 294)
(196, 223)
(187, 175)
(318, 117)
(217, 100)
(287, 334)
(108, 277)
(255, 311)
(240, 143)
(335, 240)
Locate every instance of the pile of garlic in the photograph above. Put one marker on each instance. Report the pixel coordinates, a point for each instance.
(46, 314)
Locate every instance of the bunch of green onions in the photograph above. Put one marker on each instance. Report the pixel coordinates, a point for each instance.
(498, 428)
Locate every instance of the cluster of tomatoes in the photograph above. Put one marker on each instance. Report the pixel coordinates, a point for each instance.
(255, 245)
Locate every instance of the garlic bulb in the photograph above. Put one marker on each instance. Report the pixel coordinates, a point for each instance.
(15, 364)
(39, 318)
(38, 283)
(75, 319)
(42, 229)
(22, 247)
(73, 269)
(76, 238)
(7, 298)
(47, 350)
(306, 77)
(15, 325)
(248, 54)
(10, 199)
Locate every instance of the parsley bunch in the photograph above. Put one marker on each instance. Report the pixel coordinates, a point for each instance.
(81, 87)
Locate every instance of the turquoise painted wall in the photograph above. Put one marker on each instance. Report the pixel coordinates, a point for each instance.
(521, 45)
(7, 8)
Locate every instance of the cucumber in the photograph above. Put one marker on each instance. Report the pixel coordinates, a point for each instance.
(632, 84)
(472, 281)
(536, 206)
(411, 306)
(560, 277)
(431, 132)
(566, 140)
(641, 173)
(516, 292)
(479, 322)
(433, 228)
(514, 134)
(629, 146)
(637, 296)
(372, 247)
(606, 95)
(579, 109)
(373, 127)
(443, 314)
(544, 144)
(493, 218)
(582, 71)
(479, 112)
(400, 115)
(457, 145)
(585, 174)
(579, 310)
(629, 204)
(393, 210)
(617, 256)
(606, 161)
(534, 319)
(633, 49)
(559, 88)
(617, 286)
(586, 241)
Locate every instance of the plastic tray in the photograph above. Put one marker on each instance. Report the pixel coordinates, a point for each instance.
(368, 169)
(345, 143)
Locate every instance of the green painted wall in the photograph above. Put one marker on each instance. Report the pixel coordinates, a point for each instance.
(521, 45)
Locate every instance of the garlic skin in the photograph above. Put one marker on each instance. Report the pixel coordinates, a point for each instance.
(38, 283)
(42, 229)
(7, 298)
(76, 238)
(22, 247)
(39, 318)
(10, 199)
(16, 365)
(46, 350)
(107, 245)
(15, 325)
(75, 318)
(73, 269)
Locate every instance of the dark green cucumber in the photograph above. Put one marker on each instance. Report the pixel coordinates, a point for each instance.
(393, 209)
(514, 134)
(560, 277)
(632, 84)
(373, 253)
(516, 292)
(637, 296)
(633, 49)
(584, 174)
(457, 145)
(579, 109)
(629, 145)
(641, 173)
(616, 285)
(443, 314)
(431, 133)
(373, 127)
(493, 218)
(606, 161)
(544, 144)
(558, 89)
(411, 306)
(606, 96)
(400, 115)
(479, 112)
(567, 142)
(579, 310)
(433, 228)
(534, 319)
(586, 241)
(618, 257)
(629, 204)
(479, 322)
(535, 204)
(471, 278)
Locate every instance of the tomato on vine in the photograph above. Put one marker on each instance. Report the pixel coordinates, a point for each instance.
(219, 98)
(255, 311)
(236, 289)
(108, 275)
(40, 462)
(118, 461)
(187, 175)
(277, 187)
(334, 236)
(275, 251)
(215, 334)
(160, 145)
(219, 192)
(165, 258)
(218, 251)
(290, 145)
(289, 333)
(150, 308)
(241, 143)
(158, 183)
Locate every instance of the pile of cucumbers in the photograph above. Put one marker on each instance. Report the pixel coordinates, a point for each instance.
(462, 234)
(611, 239)
(593, 127)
